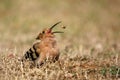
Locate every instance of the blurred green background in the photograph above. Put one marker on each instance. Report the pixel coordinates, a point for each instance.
(87, 21)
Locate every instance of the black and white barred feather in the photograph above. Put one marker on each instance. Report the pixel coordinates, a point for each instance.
(32, 53)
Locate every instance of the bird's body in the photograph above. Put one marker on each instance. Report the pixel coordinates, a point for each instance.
(46, 49)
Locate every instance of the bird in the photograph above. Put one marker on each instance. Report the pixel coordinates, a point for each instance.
(46, 49)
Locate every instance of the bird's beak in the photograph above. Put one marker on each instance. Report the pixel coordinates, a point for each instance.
(54, 25)
(57, 32)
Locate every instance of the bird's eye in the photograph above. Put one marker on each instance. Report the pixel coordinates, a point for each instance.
(43, 32)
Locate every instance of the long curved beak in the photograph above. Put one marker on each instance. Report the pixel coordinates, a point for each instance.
(55, 25)
(57, 32)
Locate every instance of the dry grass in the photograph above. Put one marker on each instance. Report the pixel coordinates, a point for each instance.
(90, 46)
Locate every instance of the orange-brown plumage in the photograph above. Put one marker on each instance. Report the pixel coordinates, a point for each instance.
(48, 49)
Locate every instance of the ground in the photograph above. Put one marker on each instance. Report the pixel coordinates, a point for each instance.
(89, 46)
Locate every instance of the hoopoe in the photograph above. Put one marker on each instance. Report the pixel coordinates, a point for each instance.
(46, 49)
